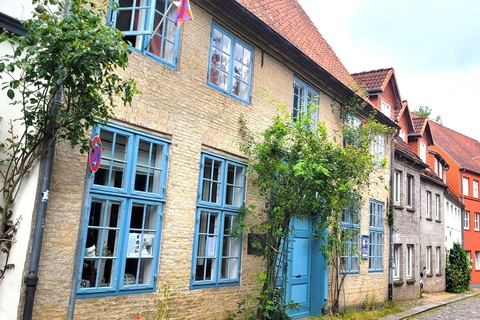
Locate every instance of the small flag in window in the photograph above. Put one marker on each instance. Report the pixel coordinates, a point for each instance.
(184, 12)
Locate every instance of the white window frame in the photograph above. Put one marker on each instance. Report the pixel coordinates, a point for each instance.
(377, 148)
(466, 220)
(423, 152)
(410, 193)
(409, 261)
(386, 109)
(437, 260)
(428, 260)
(402, 135)
(436, 167)
(477, 260)
(396, 261)
(437, 207)
(475, 188)
(429, 205)
(476, 218)
(397, 187)
(465, 182)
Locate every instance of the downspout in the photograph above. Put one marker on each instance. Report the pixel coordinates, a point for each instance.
(31, 281)
(390, 207)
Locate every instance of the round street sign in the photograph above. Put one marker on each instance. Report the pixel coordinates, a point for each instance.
(95, 154)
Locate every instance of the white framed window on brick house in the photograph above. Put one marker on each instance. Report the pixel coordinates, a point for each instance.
(466, 220)
(377, 148)
(437, 207)
(428, 260)
(305, 98)
(386, 109)
(469, 256)
(137, 19)
(475, 188)
(124, 217)
(423, 152)
(349, 260)
(437, 260)
(397, 187)
(230, 65)
(429, 205)
(409, 264)
(402, 135)
(221, 193)
(476, 217)
(436, 167)
(465, 182)
(477, 260)
(375, 255)
(396, 261)
(410, 185)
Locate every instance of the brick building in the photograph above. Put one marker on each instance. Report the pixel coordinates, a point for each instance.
(172, 177)
(462, 154)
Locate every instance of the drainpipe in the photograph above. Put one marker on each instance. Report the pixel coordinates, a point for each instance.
(392, 186)
(32, 278)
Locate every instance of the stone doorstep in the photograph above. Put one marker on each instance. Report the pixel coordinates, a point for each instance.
(428, 306)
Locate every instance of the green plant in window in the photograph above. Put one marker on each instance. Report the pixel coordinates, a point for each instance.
(62, 77)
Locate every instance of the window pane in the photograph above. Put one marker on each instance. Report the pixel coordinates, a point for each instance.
(226, 43)
(234, 186)
(149, 167)
(211, 180)
(114, 159)
(246, 57)
(238, 52)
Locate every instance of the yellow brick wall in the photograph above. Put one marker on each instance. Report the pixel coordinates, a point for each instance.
(200, 118)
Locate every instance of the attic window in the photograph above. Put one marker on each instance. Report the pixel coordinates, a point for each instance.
(386, 109)
(402, 135)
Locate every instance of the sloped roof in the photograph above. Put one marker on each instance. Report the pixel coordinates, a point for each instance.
(404, 148)
(461, 148)
(419, 123)
(427, 172)
(375, 79)
(289, 20)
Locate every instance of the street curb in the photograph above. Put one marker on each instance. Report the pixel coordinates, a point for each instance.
(427, 307)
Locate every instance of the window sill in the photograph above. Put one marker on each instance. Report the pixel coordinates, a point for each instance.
(439, 274)
(410, 209)
(398, 206)
(397, 283)
(429, 275)
(411, 281)
(428, 218)
(438, 220)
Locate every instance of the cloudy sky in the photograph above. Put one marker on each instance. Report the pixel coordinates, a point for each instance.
(434, 47)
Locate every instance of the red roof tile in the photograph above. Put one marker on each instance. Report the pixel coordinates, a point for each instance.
(375, 79)
(461, 148)
(419, 122)
(289, 20)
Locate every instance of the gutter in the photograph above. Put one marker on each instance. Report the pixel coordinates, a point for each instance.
(31, 281)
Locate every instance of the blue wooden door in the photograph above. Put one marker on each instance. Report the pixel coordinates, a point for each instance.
(299, 268)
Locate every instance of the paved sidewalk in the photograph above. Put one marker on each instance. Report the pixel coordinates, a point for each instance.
(436, 300)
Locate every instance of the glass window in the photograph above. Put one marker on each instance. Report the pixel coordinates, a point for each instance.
(216, 256)
(437, 260)
(475, 188)
(377, 148)
(409, 191)
(465, 182)
(409, 261)
(437, 207)
(466, 220)
(350, 235)
(397, 187)
(475, 220)
(122, 239)
(477, 260)
(429, 204)
(230, 65)
(396, 261)
(304, 99)
(138, 20)
(428, 260)
(423, 152)
(386, 109)
(375, 261)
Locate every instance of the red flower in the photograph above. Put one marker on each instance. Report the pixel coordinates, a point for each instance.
(365, 122)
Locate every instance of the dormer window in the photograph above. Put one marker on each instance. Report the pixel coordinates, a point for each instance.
(386, 109)
(423, 152)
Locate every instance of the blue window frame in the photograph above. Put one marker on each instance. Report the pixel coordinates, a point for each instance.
(137, 19)
(375, 255)
(349, 260)
(304, 97)
(230, 66)
(221, 193)
(124, 216)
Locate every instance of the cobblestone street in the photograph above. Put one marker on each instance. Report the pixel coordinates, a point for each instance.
(467, 309)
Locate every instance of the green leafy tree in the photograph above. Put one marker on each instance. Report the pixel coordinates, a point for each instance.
(426, 111)
(457, 269)
(303, 171)
(74, 57)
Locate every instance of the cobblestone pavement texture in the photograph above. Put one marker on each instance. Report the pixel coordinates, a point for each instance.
(467, 309)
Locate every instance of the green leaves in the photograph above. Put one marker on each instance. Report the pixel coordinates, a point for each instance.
(10, 94)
